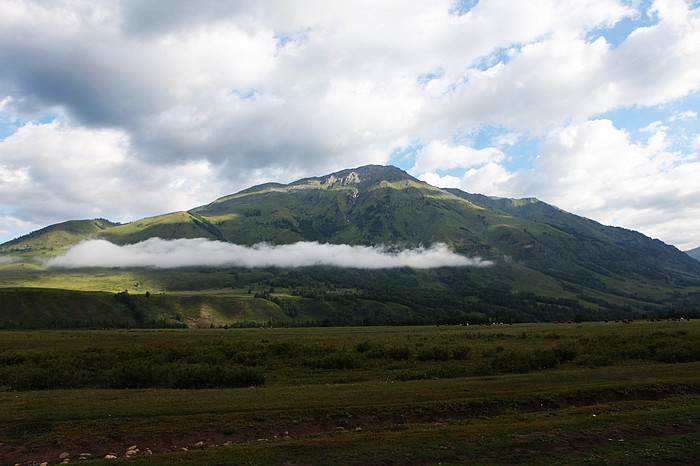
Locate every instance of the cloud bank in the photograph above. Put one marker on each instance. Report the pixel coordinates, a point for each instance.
(159, 253)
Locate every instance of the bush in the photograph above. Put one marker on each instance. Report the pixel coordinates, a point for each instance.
(461, 352)
(406, 376)
(282, 349)
(192, 376)
(12, 358)
(364, 346)
(635, 350)
(434, 353)
(337, 360)
(135, 374)
(679, 352)
(513, 362)
(544, 359)
(565, 352)
(596, 359)
(250, 357)
(34, 379)
(371, 350)
(484, 368)
(450, 370)
(399, 353)
(235, 377)
(599, 352)
(491, 352)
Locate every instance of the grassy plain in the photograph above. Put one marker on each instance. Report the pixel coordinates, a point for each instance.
(510, 394)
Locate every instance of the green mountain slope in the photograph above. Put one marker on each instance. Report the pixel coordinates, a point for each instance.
(169, 226)
(694, 253)
(54, 239)
(547, 262)
(602, 249)
(369, 205)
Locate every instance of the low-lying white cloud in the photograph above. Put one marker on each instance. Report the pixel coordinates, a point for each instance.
(160, 253)
(6, 260)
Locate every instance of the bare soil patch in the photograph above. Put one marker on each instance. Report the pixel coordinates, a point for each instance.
(288, 425)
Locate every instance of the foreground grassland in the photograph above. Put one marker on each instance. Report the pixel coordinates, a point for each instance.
(510, 394)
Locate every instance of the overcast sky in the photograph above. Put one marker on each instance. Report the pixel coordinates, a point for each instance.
(126, 109)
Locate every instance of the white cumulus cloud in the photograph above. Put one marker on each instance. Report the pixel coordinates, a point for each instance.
(441, 155)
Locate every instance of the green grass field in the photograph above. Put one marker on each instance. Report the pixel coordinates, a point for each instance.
(508, 394)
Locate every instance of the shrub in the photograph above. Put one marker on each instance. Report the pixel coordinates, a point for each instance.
(513, 362)
(596, 359)
(372, 350)
(135, 373)
(406, 376)
(679, 352)
(34, 378)
(544, 359)
(378, 352)
(241, 377)
(399, 353)
(600, 352)
(565, 352)
(364, 346)
(461, 352)
(337, 360)
(636, 350)
(483, 368)
(282, 349)
(12, 358)
(450, 370)
(434, 353)
(249, 357)
(192, 376)
(491, 352)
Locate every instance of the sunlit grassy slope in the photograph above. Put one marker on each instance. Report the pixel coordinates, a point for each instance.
(54, 239)
(169, 226)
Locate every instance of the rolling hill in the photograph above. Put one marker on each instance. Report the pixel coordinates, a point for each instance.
(546, 262)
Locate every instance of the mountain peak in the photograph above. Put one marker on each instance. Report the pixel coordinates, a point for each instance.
(362, 177)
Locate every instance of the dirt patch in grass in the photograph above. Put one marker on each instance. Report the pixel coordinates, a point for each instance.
(40, 443)
(604, 442)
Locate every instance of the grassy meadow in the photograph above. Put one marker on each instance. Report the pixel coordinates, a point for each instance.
(510, 394)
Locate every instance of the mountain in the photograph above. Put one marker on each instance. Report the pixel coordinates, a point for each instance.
(694, 253)
(598, 248)
(546, 261)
